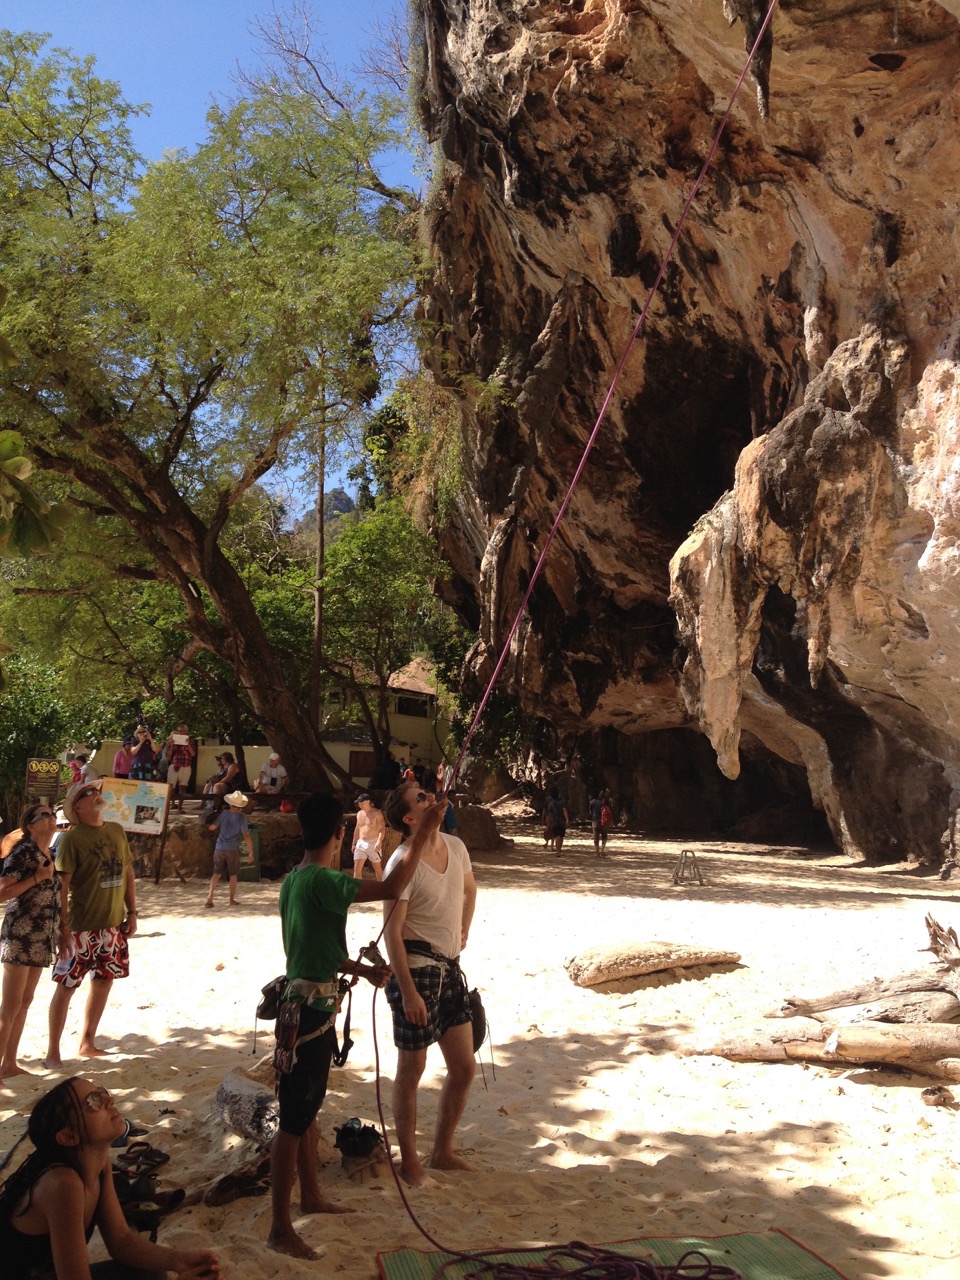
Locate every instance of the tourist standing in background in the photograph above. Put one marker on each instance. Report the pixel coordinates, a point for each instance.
(32, 930)
(99, 900)
(179, 749)
(123, 760)
(143, 753)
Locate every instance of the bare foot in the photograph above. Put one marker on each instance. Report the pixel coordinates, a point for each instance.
(319, 1204)
(290, 1243)
(416, 1176)
(450, 1160)
(233, 903)
(51, 1062)
(93, 1051)
(14, 1069)
(208, 903)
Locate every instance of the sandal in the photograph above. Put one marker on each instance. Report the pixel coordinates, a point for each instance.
(140, 1157)
(252, 1180)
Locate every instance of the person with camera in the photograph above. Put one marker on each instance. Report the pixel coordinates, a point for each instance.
(143, 753)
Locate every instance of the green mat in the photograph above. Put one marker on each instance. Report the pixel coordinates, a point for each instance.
(771, 1256)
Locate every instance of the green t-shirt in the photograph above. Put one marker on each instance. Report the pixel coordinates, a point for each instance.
(96, 859)
(314, 902)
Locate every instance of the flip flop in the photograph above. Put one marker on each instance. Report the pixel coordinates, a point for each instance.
(140, 1157)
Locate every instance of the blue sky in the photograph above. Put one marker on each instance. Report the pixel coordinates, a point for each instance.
(178, 54)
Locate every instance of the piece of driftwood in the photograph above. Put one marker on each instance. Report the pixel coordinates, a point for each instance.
(926, 995)
(633, 959)
(912, 1006)
(921, 1047)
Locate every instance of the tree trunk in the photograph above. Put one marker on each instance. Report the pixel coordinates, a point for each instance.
(316, 657)
(285, 722)
(927, 1049)
(187, 552)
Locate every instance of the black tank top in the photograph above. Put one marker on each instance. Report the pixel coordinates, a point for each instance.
(23, 1253)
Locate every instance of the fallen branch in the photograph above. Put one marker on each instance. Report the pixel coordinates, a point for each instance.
(899, 999)
(879, 989)
(928, 1049)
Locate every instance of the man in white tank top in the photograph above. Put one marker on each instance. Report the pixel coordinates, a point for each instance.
(425, 931)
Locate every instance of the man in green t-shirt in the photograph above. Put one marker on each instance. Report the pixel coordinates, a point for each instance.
(314, 900)
(99, 904)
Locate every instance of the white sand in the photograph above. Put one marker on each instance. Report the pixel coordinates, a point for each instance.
(593, 1129)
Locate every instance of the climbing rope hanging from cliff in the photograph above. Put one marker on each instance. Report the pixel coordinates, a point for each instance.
(577, 1259)
(732, 11)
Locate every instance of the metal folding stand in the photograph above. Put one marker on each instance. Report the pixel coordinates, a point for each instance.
(687, 868)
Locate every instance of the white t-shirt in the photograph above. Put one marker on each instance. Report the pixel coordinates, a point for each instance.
(273, 774)
(435, 899)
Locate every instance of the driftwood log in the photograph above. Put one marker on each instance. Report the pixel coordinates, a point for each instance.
(922, 1047)
(634, 959)
(927, 995)
(906, 1021)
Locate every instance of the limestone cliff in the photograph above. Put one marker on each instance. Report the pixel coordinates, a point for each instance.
(793, 401)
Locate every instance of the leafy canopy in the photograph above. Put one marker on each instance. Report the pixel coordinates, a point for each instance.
(184, 329)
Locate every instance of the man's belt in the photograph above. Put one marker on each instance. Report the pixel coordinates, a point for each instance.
(421, 954)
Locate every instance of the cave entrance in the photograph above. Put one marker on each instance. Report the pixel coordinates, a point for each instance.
(667, 781)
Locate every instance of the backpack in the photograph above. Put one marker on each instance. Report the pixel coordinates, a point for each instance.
(606, 815)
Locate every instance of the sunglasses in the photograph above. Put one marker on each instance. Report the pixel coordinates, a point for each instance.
(88, 791)
(97, 1099)
(37, 817)
(421, 796)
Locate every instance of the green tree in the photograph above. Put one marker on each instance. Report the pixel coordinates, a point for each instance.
(181, 330)
(376, 587)
(39, 715)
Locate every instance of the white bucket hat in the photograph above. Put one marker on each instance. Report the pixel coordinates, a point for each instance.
(236, 800)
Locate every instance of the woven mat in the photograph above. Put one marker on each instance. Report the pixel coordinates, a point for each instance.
(770, 1256)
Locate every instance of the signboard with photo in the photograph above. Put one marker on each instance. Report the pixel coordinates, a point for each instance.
(139, 806)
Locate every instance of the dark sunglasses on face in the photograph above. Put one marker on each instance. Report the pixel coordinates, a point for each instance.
(37, 817)
(421, 796)
(88, 791)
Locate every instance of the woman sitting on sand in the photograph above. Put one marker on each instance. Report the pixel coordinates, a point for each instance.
(49, 1207)
(32, 928)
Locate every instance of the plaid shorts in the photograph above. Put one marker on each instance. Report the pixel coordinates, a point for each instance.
(102, 952)
(444, 992)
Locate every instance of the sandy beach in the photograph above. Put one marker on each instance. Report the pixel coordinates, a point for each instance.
(592, 1125)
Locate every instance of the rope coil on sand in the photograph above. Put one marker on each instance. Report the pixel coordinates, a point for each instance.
(594, 1263)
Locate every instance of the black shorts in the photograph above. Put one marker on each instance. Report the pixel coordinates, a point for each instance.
(301, 1093)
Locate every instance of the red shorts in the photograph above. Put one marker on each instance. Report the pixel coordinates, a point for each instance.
(102, 952)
